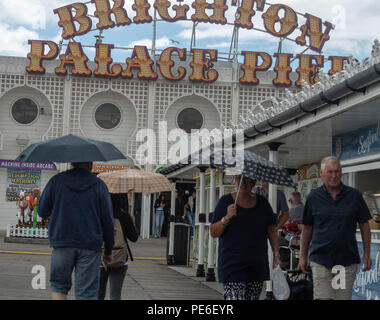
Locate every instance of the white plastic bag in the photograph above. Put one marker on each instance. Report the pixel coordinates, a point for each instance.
(281, 290)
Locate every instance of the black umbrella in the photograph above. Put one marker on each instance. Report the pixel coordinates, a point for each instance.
(251, 165)
(72, 149)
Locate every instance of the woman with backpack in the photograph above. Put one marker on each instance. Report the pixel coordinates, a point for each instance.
(124, 230)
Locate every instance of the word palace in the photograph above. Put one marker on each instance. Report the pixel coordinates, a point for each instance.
(314, 34)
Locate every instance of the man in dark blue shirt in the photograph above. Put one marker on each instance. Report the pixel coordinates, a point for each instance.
(331, 214)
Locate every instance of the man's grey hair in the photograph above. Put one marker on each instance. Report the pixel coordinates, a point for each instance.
(327, 159)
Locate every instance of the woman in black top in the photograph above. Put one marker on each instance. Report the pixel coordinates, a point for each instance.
(243, 231)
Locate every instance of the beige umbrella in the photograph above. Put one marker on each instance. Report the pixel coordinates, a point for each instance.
(130, 180)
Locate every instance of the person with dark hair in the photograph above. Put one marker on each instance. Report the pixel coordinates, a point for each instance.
(80, 210)
(116, 274)
(180, 208)
(190, 211)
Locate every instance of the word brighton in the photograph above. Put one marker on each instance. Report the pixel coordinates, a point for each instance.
(311, 29)
(201, 63)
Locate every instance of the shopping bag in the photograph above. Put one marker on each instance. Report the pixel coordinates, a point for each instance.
(281, 290)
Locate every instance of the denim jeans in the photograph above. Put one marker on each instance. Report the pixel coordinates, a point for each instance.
(86, 265)
(191, 217)
(116, 277)
(159, 220)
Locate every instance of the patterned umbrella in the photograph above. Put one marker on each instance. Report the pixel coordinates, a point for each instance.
(130, 180)
(252, 166)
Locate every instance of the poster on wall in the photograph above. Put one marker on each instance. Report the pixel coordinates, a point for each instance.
(309, 171)
(14, 164)
(21, 180)
(367, 284)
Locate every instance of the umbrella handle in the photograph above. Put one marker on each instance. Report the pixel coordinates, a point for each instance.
(238, 190)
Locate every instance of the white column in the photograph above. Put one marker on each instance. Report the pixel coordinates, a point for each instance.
(202, 220)
(197, 206)
(153, 219)
(66, 103)
(352, 179)
(67, 97)
(221, 185)
(235, 81)
(210, 262)
(8, 234)
(170, 260)
(272, 198)
(145, 216)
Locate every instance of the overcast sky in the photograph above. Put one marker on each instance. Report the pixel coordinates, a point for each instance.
(357, 26)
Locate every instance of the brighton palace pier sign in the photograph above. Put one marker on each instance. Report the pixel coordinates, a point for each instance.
(75, 21)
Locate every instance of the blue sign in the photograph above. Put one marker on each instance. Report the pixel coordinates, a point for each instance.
(358, 143)
(367, 284)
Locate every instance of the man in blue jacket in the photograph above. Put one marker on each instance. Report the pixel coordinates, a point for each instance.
(81, 218)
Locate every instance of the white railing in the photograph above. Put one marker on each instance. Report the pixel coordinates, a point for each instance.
(375, 235)
(26, 232)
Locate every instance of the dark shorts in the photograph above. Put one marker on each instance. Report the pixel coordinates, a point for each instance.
(86, 265)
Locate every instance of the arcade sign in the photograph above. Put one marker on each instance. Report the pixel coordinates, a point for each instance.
(313, 34)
